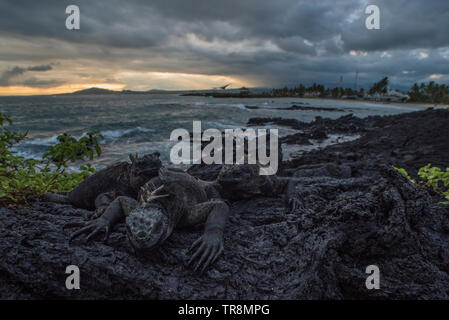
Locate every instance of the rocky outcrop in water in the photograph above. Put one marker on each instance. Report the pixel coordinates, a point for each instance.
(410, 140)
(301, 107)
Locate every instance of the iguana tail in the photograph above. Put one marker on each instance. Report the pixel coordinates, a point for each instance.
(54, 197)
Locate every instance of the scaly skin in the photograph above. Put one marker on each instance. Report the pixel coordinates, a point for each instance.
(244, 182)
(100, 189)
(173, 199)
(176, 199)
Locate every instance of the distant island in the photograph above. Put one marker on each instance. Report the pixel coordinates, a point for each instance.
(94, 91)
(424, 93)
(101, 91)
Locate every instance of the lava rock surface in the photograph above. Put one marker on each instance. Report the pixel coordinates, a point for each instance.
(356, 211)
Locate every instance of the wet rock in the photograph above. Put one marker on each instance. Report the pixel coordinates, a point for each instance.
(317, 254)
(409, 140)
(345, 124)
(308, 108)
(297, 138)
(318, 134)
(357, 211)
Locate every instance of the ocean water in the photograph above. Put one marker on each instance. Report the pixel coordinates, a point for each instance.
(143, 123)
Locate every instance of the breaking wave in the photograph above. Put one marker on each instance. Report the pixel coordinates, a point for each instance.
(34, 148)
(221, 105)
(116, 134)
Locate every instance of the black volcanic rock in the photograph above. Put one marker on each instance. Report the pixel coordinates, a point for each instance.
(308, 108)
(301, 139)
(319, 253)
(302, 107)
(410, 140)
(357, 211)
(318, 134)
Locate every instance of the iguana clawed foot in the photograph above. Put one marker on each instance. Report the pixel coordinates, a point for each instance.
(153, 195)
(92, 228)
(294, 205)
(210, 247)
(97, 213)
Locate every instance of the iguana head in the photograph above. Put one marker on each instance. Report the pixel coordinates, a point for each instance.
(243, 181)
(143, 169)
(147, 227)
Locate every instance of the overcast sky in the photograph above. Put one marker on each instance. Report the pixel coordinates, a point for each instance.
(199, 44)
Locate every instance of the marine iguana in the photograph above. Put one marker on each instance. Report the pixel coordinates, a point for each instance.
(149, 221)
(186, 201)
(237, 182)
(121, 179)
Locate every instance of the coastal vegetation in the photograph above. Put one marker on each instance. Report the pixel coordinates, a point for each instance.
(431, 177)
(22, 179)
(430, 92)
(315, 90)
(380, 87)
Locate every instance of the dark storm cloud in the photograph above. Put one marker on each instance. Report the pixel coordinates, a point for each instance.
(40, 68)
(405, 25)
(7, 77)
(278, 42)
(41, 83)
(148, 23)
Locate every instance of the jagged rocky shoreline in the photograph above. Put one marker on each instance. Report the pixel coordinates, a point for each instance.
(357, 212)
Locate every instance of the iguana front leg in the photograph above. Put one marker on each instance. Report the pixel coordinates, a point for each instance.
(102, 202)
(287, 186)
(293, 201)
(114, 213)
(210, 244)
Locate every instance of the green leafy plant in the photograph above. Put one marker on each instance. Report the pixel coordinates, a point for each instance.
(404, 173)
(432, 177)
(437, 179)
(22, 179)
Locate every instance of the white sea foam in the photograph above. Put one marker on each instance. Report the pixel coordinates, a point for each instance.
(221, 125)
(159, 112)
(221, 105)
(108, 134)
(27, 154)
(42, 141)
(35, 148)
(115, 134)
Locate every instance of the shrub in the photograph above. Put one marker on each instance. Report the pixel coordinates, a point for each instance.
(432, 177)
(21, 180)
(437, 179)
(404, 173)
